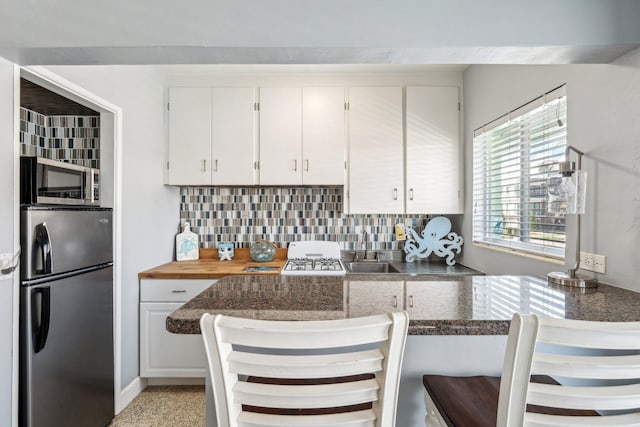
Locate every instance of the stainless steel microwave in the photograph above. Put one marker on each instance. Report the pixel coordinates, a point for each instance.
(51, 182)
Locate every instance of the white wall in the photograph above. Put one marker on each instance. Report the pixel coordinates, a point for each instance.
(149, 209)
(8, 241)
(604, 122)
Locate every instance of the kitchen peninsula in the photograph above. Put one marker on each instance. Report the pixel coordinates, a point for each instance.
(437, 305)
(458, 324)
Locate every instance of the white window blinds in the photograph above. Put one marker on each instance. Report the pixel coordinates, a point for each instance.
(513, 159)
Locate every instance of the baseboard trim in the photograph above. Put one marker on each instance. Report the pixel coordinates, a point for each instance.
(129, 393)
(175, 381)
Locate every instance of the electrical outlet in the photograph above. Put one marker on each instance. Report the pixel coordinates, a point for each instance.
(593, 262)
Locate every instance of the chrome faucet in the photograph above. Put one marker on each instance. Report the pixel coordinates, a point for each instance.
(365, 239)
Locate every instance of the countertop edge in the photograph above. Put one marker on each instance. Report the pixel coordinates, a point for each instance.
(417, 327)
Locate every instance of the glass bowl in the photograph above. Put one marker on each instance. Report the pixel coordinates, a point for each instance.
(262, 251)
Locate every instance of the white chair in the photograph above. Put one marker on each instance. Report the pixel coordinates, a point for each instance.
(287, 373)
(597, 362)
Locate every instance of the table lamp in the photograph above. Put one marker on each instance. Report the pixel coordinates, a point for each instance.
(567, 193)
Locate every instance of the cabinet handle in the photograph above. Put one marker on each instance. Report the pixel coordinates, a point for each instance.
(256, 165)
(395, 194)
(215, 165)
(204, 165)
(411, 301)
(179, 291)
(411, 194)
(306, 165)
(295, 165)
(395, 301)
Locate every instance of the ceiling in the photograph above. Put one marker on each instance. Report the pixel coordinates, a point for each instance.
(74, 32)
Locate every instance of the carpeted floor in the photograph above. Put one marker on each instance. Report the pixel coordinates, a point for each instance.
(157, 406)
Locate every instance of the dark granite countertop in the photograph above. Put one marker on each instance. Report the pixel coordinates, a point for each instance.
(437, 305)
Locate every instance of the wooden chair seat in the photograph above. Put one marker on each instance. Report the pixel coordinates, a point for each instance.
(473, 401)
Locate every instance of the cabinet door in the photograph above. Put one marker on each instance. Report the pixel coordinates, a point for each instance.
(376, 173)
(233, 136)
(163, 354)
(369, 297)
(323, 137)
(433, 151)
(281, 136)
(189, 136)
(430, 300)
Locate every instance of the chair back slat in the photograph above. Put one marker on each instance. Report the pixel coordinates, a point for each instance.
(317, 366)
(303, 366)
(586, 334)
(609, 398)
(592, 367)
(365, 418)
(597, 363)
(545, 420)
(306, 396)
(301, 335)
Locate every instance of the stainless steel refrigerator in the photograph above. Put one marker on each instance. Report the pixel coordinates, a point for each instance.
(66, 317)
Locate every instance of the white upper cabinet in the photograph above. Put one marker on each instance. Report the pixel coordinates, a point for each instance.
(403, 150)
(302, 138)
(433, 167)
(233, 137)
(189, 154)
(281, 136)
(212, 137)
(376, 162)
(323, 136)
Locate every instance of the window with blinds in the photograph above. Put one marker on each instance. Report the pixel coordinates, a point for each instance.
(514, 158)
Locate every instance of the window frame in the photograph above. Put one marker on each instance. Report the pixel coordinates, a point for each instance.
(530, 177)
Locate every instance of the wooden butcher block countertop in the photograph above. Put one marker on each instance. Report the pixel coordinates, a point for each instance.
(209, 267)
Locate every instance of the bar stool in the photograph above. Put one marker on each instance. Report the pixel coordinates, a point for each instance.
(528, 394)
(342, 372)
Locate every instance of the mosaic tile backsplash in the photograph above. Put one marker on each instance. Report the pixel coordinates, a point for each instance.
(72, 139)
(282, 215)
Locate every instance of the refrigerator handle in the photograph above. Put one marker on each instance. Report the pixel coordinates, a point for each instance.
(40, 314)
(44, 241)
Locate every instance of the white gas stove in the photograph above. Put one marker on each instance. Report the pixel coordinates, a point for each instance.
(314, 258)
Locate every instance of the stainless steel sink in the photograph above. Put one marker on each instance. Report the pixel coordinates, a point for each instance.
(370, 267)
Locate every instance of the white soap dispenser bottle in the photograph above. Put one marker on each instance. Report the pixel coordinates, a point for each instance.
(186, 244)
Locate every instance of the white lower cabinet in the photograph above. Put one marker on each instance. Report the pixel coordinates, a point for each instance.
(415, 297)
(162, 353)
(388, 296)
(420, 303)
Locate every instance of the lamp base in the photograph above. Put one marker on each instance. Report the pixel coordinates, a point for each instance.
(563, 279)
